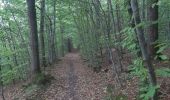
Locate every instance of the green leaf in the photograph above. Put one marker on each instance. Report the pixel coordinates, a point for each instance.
(161, 49)
(163, 57)
(165, 72)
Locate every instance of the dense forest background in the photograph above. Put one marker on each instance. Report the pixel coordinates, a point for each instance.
(129, 38)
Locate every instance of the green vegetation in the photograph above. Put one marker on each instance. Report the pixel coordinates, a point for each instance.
(34, 34)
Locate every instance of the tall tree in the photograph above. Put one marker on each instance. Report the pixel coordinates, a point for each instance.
(152, 15)
(42, 44)
(143, 46)
(62, 38)
(35, 63)
(54, 32)
(132, 23)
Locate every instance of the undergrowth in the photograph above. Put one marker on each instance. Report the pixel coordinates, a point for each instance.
(137, 68)
(111, 94)
(41, 82)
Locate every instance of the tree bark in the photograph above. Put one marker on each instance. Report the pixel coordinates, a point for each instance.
(132, 25)
(152, 15)
(54, 53)
(69, 45)
(49, 31)
(42, 44)
(35, 63)
(62, 38)
(143, 46)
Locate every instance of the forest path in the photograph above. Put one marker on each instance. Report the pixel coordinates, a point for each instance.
(75, 81)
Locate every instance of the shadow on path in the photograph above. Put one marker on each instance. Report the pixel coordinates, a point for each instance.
(72, 80)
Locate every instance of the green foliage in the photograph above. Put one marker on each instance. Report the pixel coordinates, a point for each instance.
(14, 56)
(13, 73)
(14, 38)
(129, 42)
(76, 19)
(162, 47)
(137, 68)
(156, 4)
(8, 76)
(164, 72)
(41, 81)
(148, 92)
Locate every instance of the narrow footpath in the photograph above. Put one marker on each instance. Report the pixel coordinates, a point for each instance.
(75, 81)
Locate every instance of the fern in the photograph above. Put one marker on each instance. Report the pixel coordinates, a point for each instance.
(149, 92)
(163, 72)
(162, 46)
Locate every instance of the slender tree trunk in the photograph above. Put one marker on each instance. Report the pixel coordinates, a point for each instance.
(167, 35)
(119, 38)
(42, 44)
(69, 45)
(49, 31)
(116, 28)
(97, 34)
(35, 64)
(54, 56)
(143, 46)
(132, 25)
(108, 29)
(143, 10)
(109, 22)
(62, 38)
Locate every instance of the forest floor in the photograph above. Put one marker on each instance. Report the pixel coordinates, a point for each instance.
(73, 80)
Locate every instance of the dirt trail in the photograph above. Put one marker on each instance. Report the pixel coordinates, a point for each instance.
(75, 81)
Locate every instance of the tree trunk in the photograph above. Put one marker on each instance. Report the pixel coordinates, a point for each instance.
(69, 45)
(143, 46)
(42, 45)
(62, 38)
(49, 31)
(54, 56)
(35, 64)
(152, 15)
(119, 38)
(132, 25)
